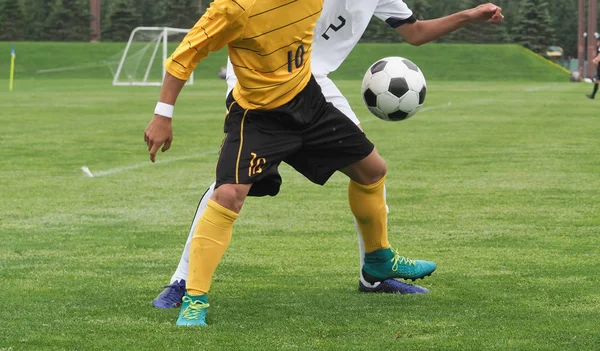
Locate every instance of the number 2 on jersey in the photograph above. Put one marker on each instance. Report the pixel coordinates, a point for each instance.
(296, 60)
(334, 28)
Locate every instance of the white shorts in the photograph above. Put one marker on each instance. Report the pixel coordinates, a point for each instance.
(331, 92)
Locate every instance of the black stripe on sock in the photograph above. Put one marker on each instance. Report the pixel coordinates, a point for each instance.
(198, 207)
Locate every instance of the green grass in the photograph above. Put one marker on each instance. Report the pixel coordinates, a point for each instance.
(447, 62)
(497, 182)
(459, 62)
(50, 60)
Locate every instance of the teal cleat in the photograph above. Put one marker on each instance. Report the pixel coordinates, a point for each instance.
(385, 264)
(193, 311)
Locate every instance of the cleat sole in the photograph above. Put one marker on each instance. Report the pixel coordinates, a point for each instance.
(372, 279)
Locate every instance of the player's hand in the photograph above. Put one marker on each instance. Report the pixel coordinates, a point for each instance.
(158, 132)
(488, 12)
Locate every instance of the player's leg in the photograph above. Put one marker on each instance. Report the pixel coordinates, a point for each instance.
(333, 94)
(182, 268)
(210, 241)
(334, 143)
(596, 80)
(367, 202)
(593, 94)
(213, 232)
(173, 293)
(390, 286)
(248, 165)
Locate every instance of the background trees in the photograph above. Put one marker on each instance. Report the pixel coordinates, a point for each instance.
(532, 23)
(123, 17)
(534, 27)
(66, 20)
(12, 24)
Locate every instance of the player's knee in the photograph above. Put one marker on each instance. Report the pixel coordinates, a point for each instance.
(372, 173)
(231, 196)
(377, 168)
(377, 171)
(368, 171)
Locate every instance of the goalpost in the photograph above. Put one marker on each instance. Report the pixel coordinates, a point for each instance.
(139, 65)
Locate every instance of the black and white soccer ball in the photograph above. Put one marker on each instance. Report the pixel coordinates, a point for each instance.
(394, 89)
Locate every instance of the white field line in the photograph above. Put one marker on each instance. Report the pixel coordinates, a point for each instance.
(541, 88)
(447, 105)
(436, 107)
(76, 68)
(474, 102)
(107, 172)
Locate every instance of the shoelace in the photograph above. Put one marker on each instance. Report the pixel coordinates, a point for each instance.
(194, 308)
(398, 260)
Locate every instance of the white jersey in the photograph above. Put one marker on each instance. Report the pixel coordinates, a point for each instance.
(342, 24)
(338, 30)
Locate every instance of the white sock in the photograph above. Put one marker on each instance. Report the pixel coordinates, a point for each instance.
(361, 248)
(182, 268)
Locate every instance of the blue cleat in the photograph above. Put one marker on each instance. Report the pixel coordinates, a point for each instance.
(384, 264)
(171, 296)
(193, 311)
(392, 286)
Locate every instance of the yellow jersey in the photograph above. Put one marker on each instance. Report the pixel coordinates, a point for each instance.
(269, 44)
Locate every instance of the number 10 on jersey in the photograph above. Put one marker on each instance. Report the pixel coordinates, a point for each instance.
(295, 59)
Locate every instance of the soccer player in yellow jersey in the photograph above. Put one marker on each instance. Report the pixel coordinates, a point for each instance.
(338, 30)
(276, 112)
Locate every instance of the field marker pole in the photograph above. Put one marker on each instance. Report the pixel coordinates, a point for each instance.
(13, 55)
(591, 38)
(581, 38)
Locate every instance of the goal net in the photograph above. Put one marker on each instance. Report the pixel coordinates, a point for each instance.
(147, 49)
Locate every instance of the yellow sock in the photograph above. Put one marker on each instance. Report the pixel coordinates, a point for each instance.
(211, 239)
(367, 203)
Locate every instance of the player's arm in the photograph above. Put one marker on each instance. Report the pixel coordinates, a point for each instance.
(222, 23)
(422, 32)
(159, 131)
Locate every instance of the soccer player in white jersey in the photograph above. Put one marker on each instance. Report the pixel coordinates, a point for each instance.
(338, 30)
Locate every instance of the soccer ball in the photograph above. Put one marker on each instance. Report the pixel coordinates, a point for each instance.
(394, 89)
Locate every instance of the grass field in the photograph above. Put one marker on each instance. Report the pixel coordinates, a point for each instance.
(497, 182)
(42, 60)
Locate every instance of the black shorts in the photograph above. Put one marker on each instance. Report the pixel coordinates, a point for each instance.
(308, 133)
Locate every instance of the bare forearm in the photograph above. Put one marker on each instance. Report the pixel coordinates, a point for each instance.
(159, 131)
(422, 32)
(170, 89)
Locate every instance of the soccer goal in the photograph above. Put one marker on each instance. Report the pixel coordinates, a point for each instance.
(139, 64)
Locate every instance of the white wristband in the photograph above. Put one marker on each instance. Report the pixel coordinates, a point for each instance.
(163, 109)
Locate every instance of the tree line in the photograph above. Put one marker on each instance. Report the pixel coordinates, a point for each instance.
(535, 24)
